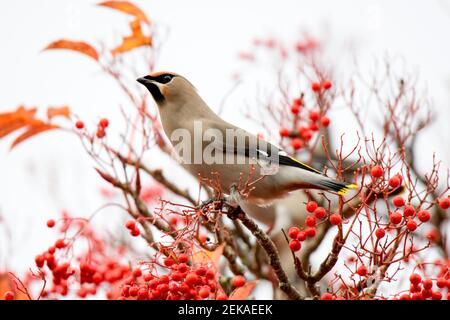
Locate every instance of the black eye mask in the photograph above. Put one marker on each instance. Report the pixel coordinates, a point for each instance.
(162, 78)
(148, 82)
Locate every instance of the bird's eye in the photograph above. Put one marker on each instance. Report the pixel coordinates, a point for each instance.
(166, 78)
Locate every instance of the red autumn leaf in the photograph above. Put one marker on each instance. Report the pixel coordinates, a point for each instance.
(12, 121)
(137, 39)
(79, 46)
(58, 112)
(36, 128)
(126, 7)
(243, 292)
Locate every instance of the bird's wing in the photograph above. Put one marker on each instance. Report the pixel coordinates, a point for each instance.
(244, 143)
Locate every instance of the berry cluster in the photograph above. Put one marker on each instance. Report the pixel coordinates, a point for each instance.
(180, 281)
(134, 230)
(426, 289)
(85, 272)
(311, 120)
(316, 213)
(101, 127)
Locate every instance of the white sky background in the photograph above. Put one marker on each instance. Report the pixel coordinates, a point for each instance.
(51, 172)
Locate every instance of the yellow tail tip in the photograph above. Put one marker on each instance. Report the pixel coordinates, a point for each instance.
(344, 190)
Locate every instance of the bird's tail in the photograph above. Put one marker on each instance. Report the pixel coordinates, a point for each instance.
(341, 188)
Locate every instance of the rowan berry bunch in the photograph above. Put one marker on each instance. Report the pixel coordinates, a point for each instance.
(176, 279)
(79, 263)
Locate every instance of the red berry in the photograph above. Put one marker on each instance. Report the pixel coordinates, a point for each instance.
(60, 243)
(405, 296)
(320, 213)
(426, 293)
(130, 224)
(314, 126)
(424, 215)
(284, 132)
(380, 233)
(39, 261)
(310, 221)
(415, 278)
(142, 293)
(137, 273)
(325, 121)
(298, 102)
(169, 262)
(133, 291)
(441, 283)
(182, 267)
(315, 86)
(301, 236)
(444, 203)
(376, 171)
(409, 211)
(398, 201)
(314, 115)
(327, 84)
(100, 133)
(201, 271)
(361, 271)
(103, 123)
(436, 295)
(204, 292)
(191, 279)
(306, 134)
(295, 109)
(293, 232)
(335, 219)
(135, 232)
(50, 223)
(79, 124)
(411, 225)
(433, 235)
(9, 295)
(394, 182)
(395, 217)
(427, 284)
(296, 143)
(311, 206)
(239, 281)
(221, 296)
(310, 232)
(295, 245)
(326, 296)
(183, 258)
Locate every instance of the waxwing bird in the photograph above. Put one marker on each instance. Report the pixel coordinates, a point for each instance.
(224, 156)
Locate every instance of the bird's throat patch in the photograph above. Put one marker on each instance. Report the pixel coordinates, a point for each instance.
(156, 93)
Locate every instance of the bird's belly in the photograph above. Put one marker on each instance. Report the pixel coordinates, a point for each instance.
(248, 178)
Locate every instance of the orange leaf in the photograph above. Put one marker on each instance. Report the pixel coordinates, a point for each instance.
(78, 46)
(34, 129)
(58, 112)
(243, 292)
(6, 284)
(12, 121)
(137, 39)
(205, 257)
(126, 7)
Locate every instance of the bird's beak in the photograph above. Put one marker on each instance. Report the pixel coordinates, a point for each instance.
(152, 86)
(144, 81)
